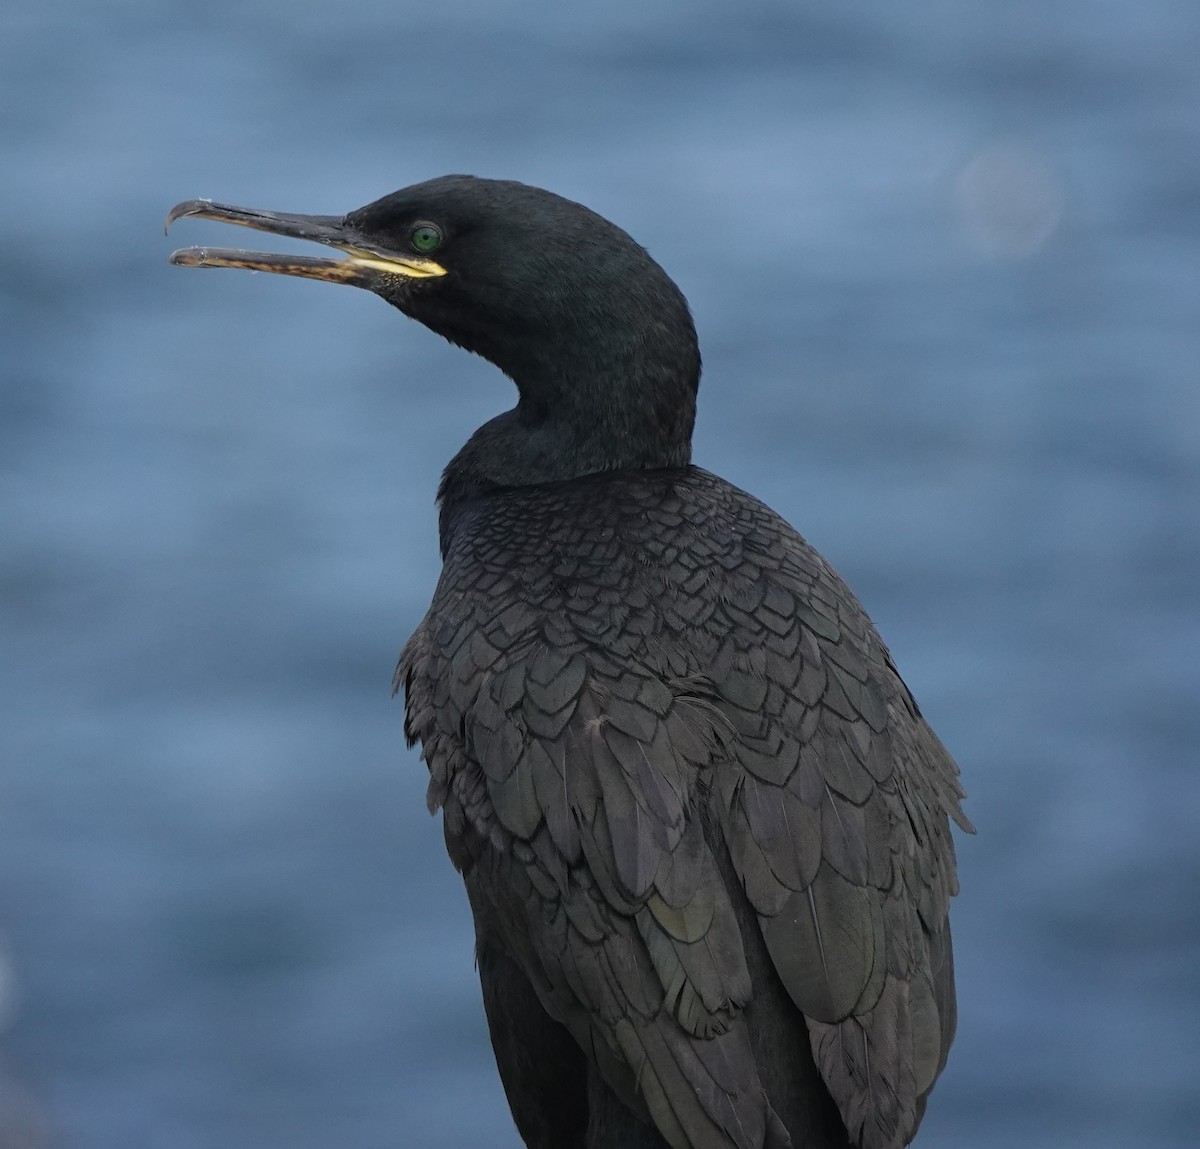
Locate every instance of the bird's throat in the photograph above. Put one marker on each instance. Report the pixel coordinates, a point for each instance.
(528, 447)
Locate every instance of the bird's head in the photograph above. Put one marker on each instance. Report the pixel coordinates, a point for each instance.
(596, 336)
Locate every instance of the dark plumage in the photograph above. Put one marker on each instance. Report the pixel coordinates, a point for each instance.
(701, 821)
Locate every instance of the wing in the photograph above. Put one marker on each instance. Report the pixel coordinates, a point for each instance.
(571, 788)
(703, 681)
(834, 806)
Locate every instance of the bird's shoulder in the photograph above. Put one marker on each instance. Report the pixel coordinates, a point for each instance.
(678, 551)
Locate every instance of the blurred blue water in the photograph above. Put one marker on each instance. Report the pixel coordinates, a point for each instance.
(945, 262)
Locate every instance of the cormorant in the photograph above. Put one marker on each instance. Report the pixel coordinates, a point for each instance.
(700, 818)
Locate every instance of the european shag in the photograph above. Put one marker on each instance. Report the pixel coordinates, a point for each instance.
(702, 823)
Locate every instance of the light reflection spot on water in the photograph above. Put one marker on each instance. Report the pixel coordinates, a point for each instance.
(1010, 201)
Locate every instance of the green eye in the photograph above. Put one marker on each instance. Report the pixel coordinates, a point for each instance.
(425, 237)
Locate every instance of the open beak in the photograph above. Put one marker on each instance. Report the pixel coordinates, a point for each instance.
(362, 264)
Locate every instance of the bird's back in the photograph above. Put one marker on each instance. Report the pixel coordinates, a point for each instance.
(694, 805)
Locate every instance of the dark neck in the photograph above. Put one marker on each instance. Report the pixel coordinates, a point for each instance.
(568, 424)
